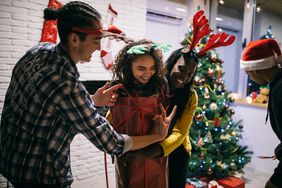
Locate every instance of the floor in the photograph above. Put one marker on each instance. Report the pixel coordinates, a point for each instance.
(252, 177)
(255, 178)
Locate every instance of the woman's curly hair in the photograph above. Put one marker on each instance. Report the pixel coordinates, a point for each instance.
(122, 71)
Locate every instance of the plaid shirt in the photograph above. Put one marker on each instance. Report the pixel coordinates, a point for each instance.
(45, 106)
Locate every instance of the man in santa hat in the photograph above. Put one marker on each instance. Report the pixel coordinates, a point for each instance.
(261, 60)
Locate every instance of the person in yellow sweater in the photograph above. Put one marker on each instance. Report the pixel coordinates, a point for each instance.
(180, 70)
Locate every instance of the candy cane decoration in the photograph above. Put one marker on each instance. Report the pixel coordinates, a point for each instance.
(106, 54)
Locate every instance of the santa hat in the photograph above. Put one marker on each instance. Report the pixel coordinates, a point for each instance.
(261, 54)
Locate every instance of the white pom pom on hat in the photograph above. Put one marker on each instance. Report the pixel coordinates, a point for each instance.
(261, 54)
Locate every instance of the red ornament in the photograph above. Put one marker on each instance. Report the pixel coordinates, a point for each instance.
(254, 95)
(49, 31)
(218, 75)
(209, 171)
(199, 117)
(202, 156)
(216, 122)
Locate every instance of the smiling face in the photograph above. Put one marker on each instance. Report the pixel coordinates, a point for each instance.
(143, 68)
(182, 72)
(84, 48)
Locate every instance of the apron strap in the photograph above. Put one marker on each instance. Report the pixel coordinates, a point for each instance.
(106, 170)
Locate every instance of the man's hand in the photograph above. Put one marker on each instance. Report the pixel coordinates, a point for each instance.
(106, 96)
(162, 122)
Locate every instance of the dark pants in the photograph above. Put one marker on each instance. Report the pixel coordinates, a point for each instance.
(34, 185)
(276, 177)
(178, 164)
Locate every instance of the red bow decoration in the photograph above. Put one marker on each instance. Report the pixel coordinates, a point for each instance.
(49, 31)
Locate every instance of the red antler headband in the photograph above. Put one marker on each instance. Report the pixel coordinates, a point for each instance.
(201, 29)
(217, 40)
(112, 31)
(88, 31)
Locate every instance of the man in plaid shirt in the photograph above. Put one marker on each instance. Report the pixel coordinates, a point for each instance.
(46, 106)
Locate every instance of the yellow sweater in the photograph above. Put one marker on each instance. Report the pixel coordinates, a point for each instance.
(180, 132)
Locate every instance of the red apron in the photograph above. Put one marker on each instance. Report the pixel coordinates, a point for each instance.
(133, 116)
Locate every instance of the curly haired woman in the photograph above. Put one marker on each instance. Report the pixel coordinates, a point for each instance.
(139, 68)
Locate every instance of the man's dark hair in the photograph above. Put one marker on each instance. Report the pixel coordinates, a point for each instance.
(73, 14)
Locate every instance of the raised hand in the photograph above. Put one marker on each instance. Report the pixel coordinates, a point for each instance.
(162, 122)
(105, 95)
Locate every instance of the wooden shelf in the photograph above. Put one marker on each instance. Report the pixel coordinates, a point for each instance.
(244, 102)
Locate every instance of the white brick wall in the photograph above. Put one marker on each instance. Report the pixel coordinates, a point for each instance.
(20, 28)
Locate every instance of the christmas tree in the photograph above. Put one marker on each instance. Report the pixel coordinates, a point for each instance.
(214, 135)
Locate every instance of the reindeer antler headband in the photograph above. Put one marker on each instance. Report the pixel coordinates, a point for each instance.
(201, 28)
(112, 32)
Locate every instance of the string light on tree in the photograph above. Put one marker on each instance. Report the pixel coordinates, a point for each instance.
(213, 132)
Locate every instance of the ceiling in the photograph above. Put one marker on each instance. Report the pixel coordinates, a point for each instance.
(273, 6)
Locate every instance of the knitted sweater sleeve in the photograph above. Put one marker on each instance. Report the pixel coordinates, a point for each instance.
(182, 126)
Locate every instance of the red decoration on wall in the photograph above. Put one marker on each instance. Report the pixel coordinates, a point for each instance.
(112, 11)
(114, 29)
(107, 59)
(105, 53)
(49, 31)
